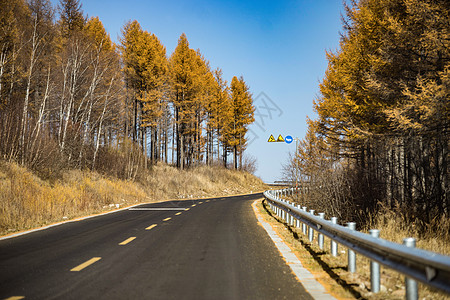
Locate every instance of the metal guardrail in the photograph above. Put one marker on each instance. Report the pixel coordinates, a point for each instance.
(431, 268)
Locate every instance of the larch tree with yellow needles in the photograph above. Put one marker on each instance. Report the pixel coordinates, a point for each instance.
(243, 116)
(384, 107)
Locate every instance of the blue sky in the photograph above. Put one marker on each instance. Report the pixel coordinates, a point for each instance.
(277, 46)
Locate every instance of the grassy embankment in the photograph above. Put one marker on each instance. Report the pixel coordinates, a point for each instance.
(26, 201)
(332, 271)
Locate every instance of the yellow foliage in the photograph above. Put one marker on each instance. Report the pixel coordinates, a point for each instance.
(96, 32)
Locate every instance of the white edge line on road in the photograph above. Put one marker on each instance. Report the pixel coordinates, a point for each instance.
(312, 286)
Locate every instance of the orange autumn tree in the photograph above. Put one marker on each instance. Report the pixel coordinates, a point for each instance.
(243, 116)
(146, 69)
(383, 108)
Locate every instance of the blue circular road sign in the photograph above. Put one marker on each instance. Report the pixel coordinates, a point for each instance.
(288, 139)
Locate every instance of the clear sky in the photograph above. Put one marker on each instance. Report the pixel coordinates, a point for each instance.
(277, 46)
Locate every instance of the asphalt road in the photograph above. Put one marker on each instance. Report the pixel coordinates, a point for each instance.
(213, 250)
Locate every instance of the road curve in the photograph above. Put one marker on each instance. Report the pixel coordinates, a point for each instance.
(191, 249)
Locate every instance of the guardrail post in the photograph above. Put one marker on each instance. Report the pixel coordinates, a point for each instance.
(298, 221)
(311, 231)
(350, 253)
(374, 267)
(288, 214)
(334, 246)
(303, 224)
(320, 237)
(292, 215)
(410, 284)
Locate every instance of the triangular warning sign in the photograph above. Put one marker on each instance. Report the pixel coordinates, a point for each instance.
(271, 139)
(280, 138)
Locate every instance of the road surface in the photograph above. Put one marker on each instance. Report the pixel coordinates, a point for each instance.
(191, 249)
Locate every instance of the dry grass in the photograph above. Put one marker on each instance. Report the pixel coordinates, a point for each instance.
(435, 237)
(391, 228)
(26, 201)
(168, 182)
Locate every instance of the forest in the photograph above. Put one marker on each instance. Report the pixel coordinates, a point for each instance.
(380, 140)
(71, 98)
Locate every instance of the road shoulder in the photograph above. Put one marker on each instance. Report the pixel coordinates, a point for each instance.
(305, 276)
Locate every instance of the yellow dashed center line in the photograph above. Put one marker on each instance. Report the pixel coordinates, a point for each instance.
(151, 226)
(193, 205)
(178, 213)
(200, 203)
(127, 240)
(187, 209)
(15, 298)
(85, 264)
(167, 219)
